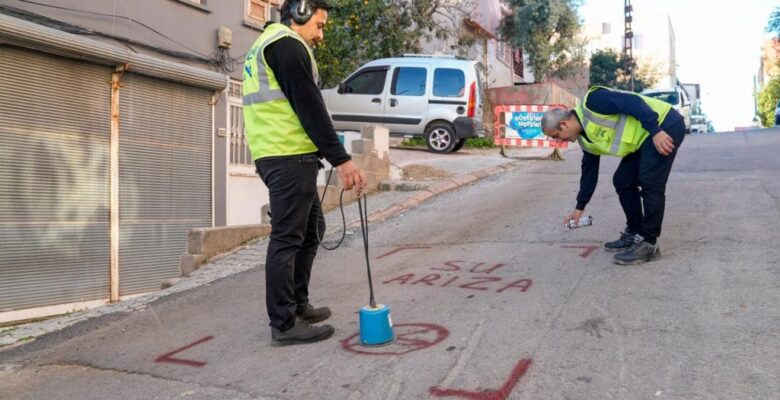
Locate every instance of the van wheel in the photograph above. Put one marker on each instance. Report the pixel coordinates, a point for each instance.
(440, 138)
(459, 144)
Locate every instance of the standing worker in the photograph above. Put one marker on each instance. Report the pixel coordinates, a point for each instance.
(288, 131)
(646, 133)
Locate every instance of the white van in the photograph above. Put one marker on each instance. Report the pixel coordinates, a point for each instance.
(678, 98)
(431, 96)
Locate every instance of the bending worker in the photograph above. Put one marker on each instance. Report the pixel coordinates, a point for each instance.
(646, 133)
(288, 131)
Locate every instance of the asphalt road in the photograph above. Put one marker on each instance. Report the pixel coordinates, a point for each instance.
(491, 299)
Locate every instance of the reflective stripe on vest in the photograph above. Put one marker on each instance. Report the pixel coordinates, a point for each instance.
(264, 93)
(611, 130)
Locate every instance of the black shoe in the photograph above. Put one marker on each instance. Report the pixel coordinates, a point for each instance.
(624, 243)
(300, 333)
(641, 251)
(313, 315)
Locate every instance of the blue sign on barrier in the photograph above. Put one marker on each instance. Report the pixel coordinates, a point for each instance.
(524, 124)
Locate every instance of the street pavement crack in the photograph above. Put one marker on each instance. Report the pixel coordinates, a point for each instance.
(465, 356)
(155, 376)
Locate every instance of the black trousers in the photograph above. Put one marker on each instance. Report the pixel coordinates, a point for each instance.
(640, 182)
(295, 211)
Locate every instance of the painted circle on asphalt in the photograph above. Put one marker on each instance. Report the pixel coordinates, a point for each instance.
(408, 338)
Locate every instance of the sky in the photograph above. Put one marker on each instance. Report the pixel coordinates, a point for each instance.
(718, 46)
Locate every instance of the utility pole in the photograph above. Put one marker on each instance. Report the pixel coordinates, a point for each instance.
(628, 37)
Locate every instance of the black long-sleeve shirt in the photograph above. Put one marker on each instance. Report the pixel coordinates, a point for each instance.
(611, 102)
(289, 60)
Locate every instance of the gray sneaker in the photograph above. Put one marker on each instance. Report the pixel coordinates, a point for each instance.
(301, 333)
(313, 315)
(641, 251)
(624, 243)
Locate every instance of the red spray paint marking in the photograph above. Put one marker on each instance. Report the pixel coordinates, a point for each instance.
(492, 283)
(455, 266)
(166, 358)
(408, 338)
(402, 248)
(500, 394)
(584, 254)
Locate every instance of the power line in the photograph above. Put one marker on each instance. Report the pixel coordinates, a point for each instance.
(116, 16)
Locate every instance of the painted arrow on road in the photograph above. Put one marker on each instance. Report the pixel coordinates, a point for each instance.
(168, 357)
(584, 254)
(500, 394)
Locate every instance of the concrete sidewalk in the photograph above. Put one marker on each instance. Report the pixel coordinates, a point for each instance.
(465, 167)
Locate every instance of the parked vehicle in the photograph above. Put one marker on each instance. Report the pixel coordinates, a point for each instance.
(431, 96)
(777, 114)
(693, 90)
(678, 98)
(698, 123)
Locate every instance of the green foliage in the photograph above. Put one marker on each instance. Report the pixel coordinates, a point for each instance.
(767, 100)
(413, 142)
(547, 31)
(480, 143)
(605, 66)
(362, 30)
(774, 22)
(473, 143)
(608, 68)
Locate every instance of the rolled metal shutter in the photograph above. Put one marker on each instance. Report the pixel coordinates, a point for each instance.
(164, 177)
(54, 180)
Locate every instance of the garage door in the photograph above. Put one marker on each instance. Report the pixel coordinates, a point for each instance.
(54, 180)
(164, 177)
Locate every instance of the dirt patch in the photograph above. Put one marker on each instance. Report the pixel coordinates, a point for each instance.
(421, 172)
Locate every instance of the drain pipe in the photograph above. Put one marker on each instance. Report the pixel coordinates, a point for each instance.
(116, 83)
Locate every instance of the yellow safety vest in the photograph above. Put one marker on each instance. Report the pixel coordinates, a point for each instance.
(618, 134)
(272, 127)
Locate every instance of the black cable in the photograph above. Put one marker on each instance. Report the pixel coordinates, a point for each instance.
(364, 228)
(363, 211)
(343, 219)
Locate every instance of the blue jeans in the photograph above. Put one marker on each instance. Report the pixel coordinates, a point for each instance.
(640, 182)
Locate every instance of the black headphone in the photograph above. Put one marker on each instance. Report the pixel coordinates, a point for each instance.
(300, 11)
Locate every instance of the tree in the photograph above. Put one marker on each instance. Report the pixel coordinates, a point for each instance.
(767, 100)
(774, 22)
(360, 31)
(547, 31)
(608, 68)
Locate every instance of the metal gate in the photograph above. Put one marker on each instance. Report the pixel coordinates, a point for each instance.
(54, 180)
(165, 177)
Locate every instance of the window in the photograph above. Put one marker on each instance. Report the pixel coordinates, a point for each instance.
(518, 62)
(367, 82)
(448, 82)
(409, 81)
(504, 52)
(239, 148)
(260, 10)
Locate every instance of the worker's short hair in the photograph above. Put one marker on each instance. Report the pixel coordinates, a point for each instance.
(551, 120)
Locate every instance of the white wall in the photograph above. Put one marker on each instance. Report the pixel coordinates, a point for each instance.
(246, 195)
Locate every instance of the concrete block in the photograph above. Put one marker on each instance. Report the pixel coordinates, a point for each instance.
(361, 160)
(363, 146)
(381, 137)
(188, 263)
(212, 241)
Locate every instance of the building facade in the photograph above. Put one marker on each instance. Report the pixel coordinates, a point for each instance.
(122, 130)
